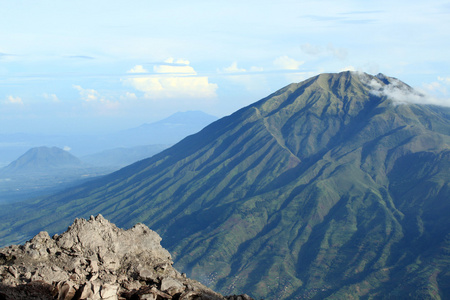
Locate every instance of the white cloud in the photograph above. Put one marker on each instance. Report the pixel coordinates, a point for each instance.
(251, 79)
(137, 69)
(93, 97)
(14, 100)
(67, 148)
(51, 97)
(400, 93)
(87, 95)
(173, 87)
(233, 68)
(287, 63)
(173, 79)
(172, 66)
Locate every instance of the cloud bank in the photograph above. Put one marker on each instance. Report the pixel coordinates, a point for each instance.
(171, 79)
(400, 93)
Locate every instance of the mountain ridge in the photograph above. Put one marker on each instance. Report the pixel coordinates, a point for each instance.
(301, 194)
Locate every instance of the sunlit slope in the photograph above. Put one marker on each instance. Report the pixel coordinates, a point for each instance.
(326, 188)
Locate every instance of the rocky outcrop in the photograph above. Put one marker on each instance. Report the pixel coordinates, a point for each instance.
(94, 259)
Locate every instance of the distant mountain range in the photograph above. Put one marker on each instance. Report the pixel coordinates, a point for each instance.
(327, 188)
(164, 132)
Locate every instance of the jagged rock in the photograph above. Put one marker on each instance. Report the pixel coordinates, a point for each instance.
(66, 290)
(109, 291)
(86, 291)
(172, 286)
(13, 271)
(94, 259)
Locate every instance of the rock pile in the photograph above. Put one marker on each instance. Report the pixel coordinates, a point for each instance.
(94, 259)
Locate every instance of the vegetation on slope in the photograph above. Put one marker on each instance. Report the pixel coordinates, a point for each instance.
(326, 188)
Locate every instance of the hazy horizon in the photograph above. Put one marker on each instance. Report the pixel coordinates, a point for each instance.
(75, 67)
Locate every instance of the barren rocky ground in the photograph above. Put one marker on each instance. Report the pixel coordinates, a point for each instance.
(94, 259)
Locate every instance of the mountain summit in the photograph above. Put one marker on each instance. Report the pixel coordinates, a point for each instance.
(336, 187)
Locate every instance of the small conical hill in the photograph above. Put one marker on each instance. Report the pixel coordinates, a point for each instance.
(42, 159)
(327, 188)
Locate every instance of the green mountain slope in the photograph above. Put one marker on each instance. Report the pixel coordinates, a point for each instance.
(326, 188)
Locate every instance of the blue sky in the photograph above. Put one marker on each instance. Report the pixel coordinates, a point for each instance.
(74, 66)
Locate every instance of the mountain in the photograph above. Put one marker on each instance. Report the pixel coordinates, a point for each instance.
(43, 171)
(15, 144)
(334, 187)
(43, 159)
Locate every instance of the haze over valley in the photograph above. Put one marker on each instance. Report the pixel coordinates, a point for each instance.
(43, 170)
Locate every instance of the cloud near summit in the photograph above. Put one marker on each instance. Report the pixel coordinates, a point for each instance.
(400, 93)
(170, 79)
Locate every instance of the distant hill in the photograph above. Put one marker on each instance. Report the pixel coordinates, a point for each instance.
(44, 171)
(42, 159)
(330, 188)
